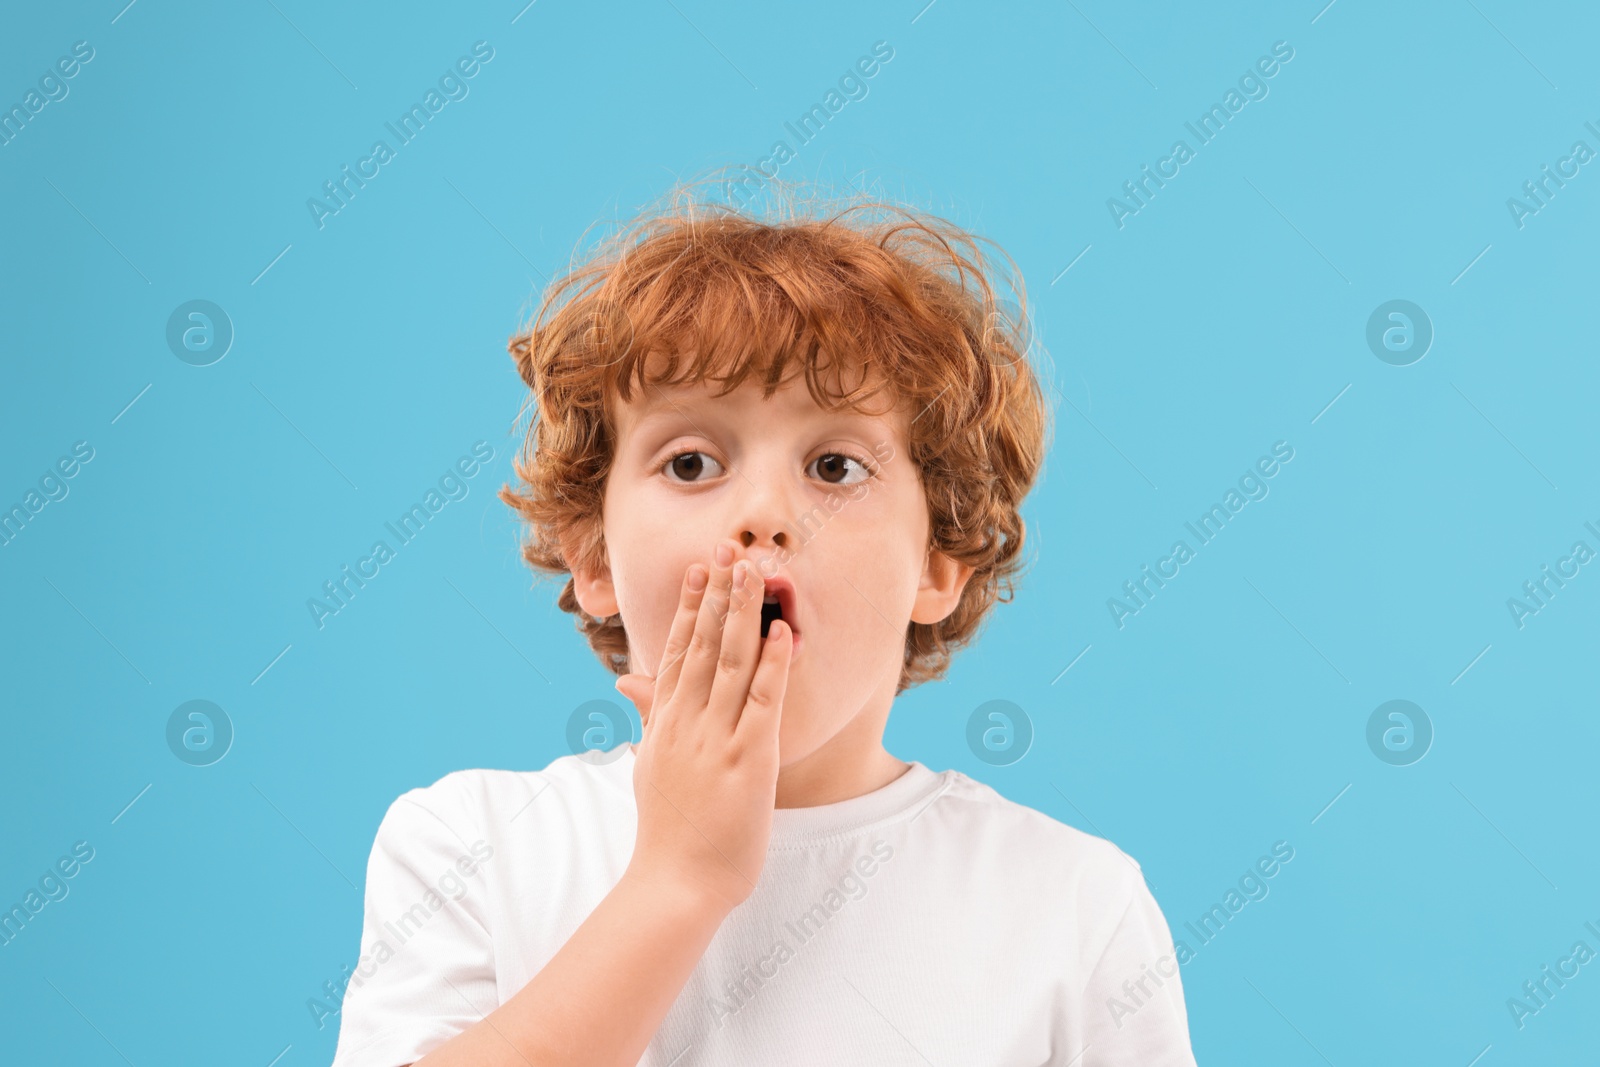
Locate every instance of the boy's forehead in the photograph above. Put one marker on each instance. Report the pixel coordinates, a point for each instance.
(792, 401)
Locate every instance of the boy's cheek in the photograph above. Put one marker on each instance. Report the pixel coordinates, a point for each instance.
(648, 603)
(855, 492)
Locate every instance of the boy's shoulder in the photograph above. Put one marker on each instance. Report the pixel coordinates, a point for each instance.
(491, 799)
(1011, 833)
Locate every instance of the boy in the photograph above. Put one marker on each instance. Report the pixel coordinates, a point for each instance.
(782, 463)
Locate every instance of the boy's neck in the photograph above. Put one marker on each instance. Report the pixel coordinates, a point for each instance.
(851, 763)
(821, 779)
(825, 777)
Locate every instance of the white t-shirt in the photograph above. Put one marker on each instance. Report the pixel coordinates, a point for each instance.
(929, 921)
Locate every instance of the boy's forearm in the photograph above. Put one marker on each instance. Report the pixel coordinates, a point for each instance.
(599, 1000)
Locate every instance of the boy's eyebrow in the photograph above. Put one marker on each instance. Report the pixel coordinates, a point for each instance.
(693, 410)
(653, 411)
(657, 401)
(689, 402)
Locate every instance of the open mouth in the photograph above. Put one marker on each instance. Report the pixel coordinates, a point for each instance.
(778, 603)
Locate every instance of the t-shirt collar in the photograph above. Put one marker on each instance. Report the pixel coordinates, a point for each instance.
(903, 797)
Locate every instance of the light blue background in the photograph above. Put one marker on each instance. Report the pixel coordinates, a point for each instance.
(1224, 317)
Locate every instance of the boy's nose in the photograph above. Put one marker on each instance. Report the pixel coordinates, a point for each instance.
(763, 519)
(777, 538)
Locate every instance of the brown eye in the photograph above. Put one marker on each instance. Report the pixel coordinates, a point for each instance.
(834, 468)
(688, 466)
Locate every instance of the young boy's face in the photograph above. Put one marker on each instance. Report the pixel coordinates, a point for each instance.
(829, 501)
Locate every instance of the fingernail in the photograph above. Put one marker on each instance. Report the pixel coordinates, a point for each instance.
(697, 578)
(617, 685)
(724, 555)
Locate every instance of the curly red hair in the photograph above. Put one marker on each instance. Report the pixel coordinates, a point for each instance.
(906, 294)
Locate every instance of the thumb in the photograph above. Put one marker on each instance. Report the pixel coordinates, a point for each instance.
(640, 690)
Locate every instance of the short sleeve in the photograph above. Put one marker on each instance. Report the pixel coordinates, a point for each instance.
(1133, 1006)
(426, 969)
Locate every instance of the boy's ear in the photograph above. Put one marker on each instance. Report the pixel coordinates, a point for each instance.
(592, 586)
(943, 580)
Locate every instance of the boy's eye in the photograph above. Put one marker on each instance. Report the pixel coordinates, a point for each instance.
(834, 469)
(688, 466)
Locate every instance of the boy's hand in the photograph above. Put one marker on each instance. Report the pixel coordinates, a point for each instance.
(706, 772)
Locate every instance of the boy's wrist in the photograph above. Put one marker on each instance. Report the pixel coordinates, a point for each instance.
(676, 893)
